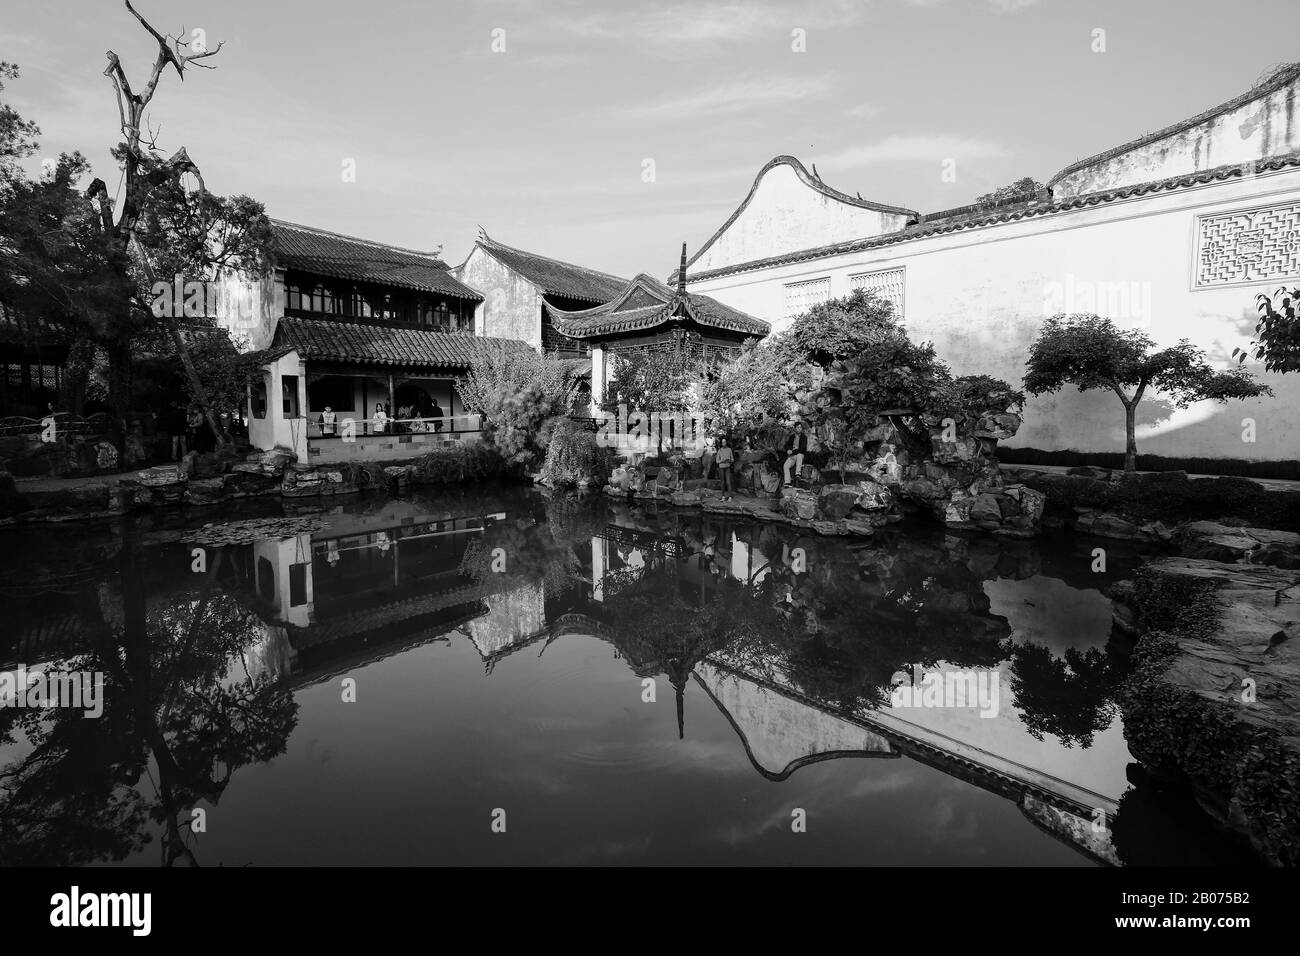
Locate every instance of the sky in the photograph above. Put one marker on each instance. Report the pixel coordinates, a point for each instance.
(608, 132)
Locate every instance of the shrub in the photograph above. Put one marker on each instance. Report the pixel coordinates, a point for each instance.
(572, 455)
(478, 461)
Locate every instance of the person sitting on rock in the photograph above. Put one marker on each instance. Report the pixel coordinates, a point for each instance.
(795, 449)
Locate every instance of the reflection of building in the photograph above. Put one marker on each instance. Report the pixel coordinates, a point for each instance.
(368, 587)
(780, 732)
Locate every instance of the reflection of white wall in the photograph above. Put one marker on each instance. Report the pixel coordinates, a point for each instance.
(513, 615)
(599, 562)
(781, 731)
(282, 554)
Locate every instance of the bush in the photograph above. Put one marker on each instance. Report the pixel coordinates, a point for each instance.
(478, 461)
(572, 455)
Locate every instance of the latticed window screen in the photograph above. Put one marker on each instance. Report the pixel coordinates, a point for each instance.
(802, 296)
(888, 284)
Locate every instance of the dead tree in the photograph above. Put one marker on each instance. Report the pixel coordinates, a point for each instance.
(143, 170)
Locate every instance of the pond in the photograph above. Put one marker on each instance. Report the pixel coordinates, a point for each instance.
(500, 676)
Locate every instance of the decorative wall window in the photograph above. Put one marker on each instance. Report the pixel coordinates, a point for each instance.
(802, 296)
(259, 399)
(887, 283)
(289, 395)
(1251, 245)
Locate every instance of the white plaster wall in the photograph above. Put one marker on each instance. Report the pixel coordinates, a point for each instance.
(250, 309)
(981, 295)
(511, 307)
(785, 215)
(275, 429)
(1266, 126)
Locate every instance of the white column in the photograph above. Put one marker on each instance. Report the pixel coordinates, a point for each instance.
(597, 378)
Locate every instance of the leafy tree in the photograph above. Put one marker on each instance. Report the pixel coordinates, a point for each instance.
(842, 328)
(1277, 341)
(650, 381)
(1091, 352)
(766, 383)
(518, 392)
(86, 260)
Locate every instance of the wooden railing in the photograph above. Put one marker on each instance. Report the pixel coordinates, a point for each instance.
(372, 427)
(65, 425)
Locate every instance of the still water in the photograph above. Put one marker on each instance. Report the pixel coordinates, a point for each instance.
(498, 676)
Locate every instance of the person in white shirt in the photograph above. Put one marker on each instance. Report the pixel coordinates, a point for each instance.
(381, 418)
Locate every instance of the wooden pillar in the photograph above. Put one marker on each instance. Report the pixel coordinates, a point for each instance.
(392, 410)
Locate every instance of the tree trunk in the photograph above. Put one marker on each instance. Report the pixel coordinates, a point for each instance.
(119, 393)
(1130, 437)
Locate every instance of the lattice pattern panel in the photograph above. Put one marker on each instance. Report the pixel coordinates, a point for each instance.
(802, 296)
(888, 284)
(1253, 245)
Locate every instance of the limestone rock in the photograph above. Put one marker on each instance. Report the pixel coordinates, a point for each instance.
(799, 503)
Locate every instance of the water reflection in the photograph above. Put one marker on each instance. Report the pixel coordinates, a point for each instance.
(793, 642)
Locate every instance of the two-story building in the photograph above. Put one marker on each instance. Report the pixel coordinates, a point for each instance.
(360, 345)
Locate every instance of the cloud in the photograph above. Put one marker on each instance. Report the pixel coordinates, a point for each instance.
(914, 148)
(737, 96)
(862, 111)
(705, 23)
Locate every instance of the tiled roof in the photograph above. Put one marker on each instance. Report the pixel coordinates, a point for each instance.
(345, 257)
(971, 218)
(645, 303)
(553, 276)
(325, 339)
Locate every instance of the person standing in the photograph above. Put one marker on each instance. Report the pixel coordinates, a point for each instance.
(327, 420)
(381, 418)
(795, 448)
(726, 458)
(193, 421)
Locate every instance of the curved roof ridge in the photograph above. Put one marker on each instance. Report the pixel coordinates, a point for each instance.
(1281, 77)
(485, 240)
(315, 230)
(808, 179)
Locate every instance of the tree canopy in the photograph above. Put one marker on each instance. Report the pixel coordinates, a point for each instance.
(1091, 352)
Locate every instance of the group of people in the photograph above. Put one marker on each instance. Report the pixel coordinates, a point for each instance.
(408, 419)
(796, 447)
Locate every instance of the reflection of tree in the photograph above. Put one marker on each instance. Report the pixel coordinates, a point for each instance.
(1068, 697)
(662, 625)
(176, 710)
